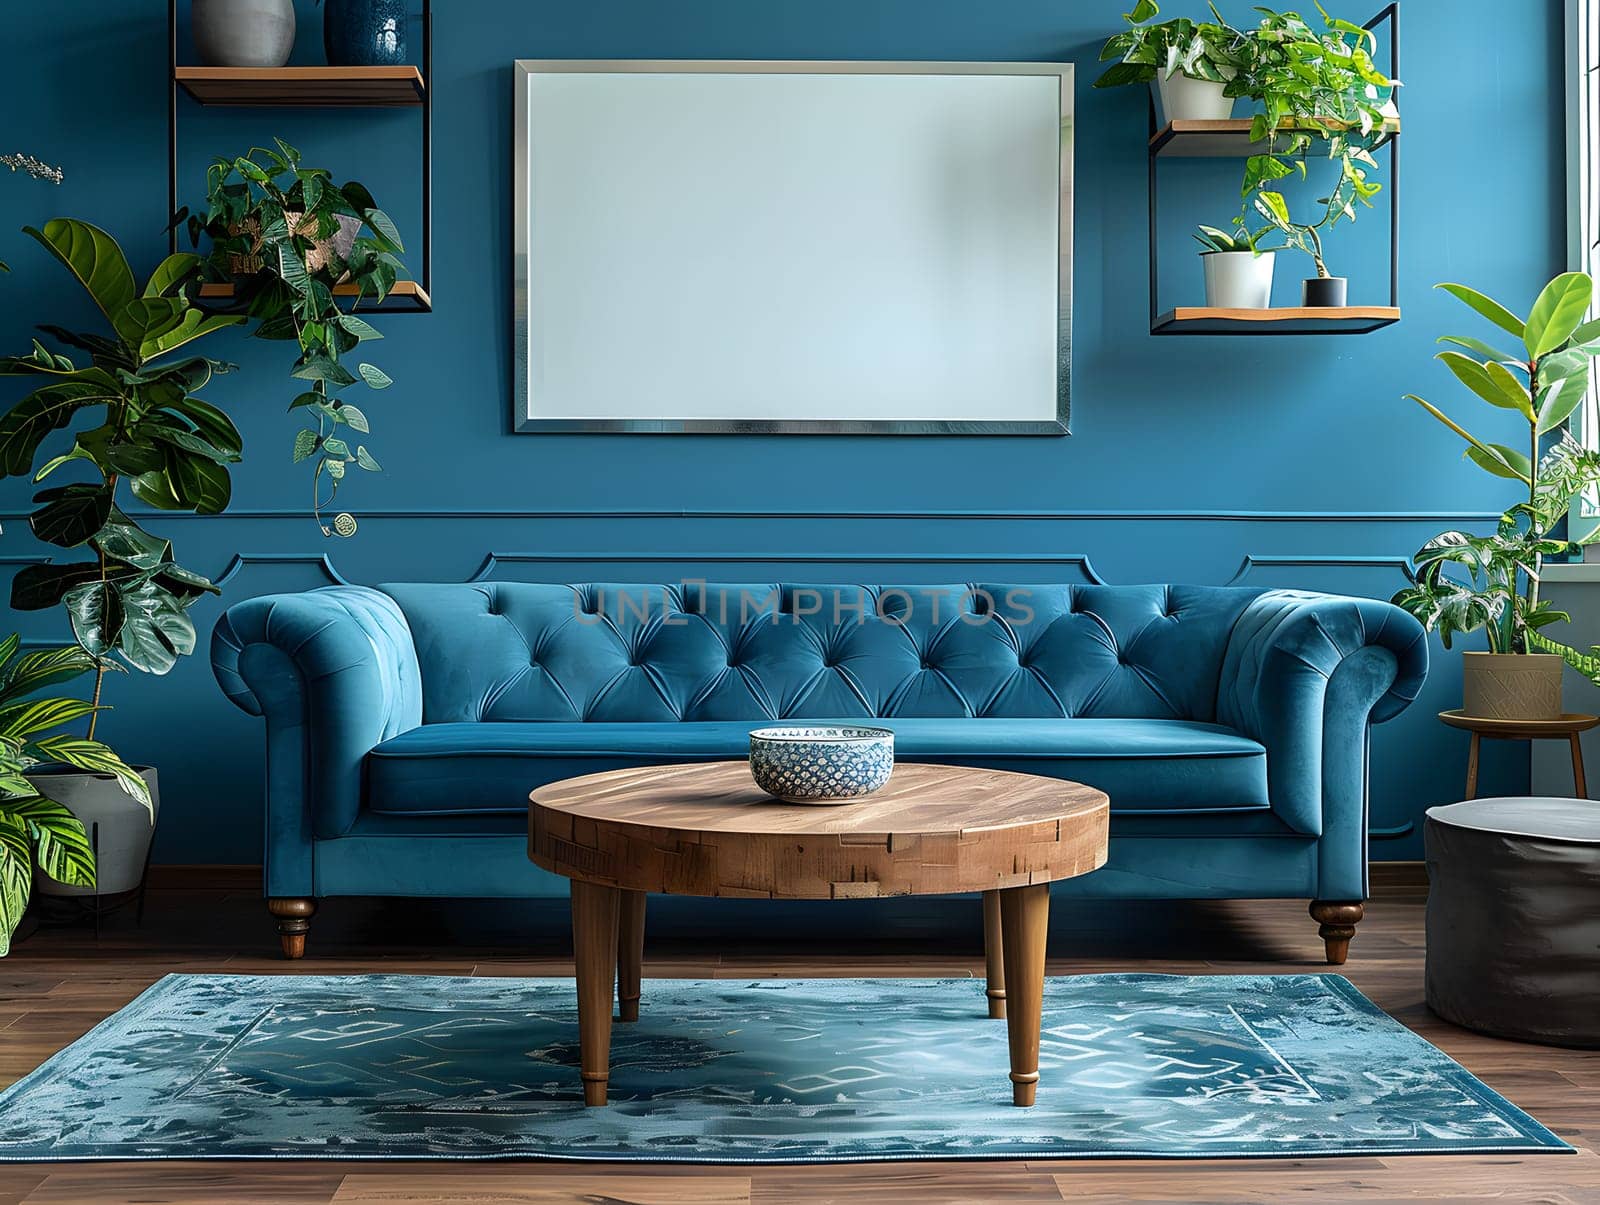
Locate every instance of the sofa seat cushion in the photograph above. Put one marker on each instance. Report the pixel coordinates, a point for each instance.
(1145, 766)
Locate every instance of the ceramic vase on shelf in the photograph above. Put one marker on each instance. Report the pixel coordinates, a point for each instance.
(243, 33)
(364, 33)
(1238, 280)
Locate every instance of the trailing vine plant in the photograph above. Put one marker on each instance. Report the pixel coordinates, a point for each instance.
(287, 237)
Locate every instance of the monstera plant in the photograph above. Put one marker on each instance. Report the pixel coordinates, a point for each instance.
(286, 236)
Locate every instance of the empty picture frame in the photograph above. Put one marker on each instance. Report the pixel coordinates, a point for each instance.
(794, 247)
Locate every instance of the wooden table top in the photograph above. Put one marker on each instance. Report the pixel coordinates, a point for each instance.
(1564, 725)
(707, 829)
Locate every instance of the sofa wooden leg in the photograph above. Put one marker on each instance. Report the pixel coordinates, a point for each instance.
(1337, 925)
(294, 921)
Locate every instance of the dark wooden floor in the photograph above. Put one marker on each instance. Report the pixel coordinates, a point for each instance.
(59, 982)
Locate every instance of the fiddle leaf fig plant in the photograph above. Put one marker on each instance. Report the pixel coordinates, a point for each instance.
(129, 399)
(1465, 582)
(35, 830)
(287, 236)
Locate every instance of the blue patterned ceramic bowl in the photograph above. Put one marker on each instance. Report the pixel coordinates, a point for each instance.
(827, 764)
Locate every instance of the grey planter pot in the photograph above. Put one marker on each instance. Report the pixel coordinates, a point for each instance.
(243, 33)
(121, 827)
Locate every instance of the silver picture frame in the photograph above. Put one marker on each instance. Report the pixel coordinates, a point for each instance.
(526, 418)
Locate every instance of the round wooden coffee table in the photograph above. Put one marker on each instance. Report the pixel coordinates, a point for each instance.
(708, 830)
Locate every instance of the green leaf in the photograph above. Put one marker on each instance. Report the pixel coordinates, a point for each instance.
(1560, 398)
(336, 447)
(1501, 461)
(375, 377)
(97, 615)
(359, 327)
(40, 715)
(214, 426)
(1481, 348)
(1488, 307)
(1476, 377)
(69, 520)
(1486, 450)
(305, 444)
(38, 587)
(1143, 10)
(171, 273)
(97, 759)
(158, 630)
(8, 649)
(1557, 313)
(201, 483)
(24, 427)
(45, 667)
(1510, 388)
(364, 460)
(389, 233)
(16, 877)
(61, 845)
(92, 256)
(195, 324)
(355, 417)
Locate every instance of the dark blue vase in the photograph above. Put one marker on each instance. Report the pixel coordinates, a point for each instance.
(364, 33)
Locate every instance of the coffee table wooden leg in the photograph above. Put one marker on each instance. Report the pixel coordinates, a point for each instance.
(594, 948)
(1579, 782)
(630, 954)
(1024, 925)
(993, 957)
(1472, 767)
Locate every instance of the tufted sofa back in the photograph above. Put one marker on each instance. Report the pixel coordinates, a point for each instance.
(631, 653)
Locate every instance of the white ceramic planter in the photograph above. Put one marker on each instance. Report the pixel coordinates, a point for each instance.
(1179, 98)
(1238, 280)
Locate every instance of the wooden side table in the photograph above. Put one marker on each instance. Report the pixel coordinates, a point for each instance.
(1565, 727)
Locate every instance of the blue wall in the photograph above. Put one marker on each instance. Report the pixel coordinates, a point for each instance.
(1281, 461)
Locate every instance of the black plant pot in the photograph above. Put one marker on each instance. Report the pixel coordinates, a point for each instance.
(1323, 291)
(365, 33)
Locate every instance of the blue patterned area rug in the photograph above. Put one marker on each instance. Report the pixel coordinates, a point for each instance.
(772, 1071)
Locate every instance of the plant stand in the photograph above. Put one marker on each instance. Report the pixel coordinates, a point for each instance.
(1230, 139)
(1567, 727)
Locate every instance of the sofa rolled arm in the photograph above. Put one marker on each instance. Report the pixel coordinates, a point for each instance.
(1306, 674)
(334, 672)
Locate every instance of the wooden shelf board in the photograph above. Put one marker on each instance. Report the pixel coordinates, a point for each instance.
(406, 295)
(304, 87)
(1229, 139)
(1282, 320)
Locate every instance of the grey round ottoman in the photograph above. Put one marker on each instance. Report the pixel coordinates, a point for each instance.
(1514, 918)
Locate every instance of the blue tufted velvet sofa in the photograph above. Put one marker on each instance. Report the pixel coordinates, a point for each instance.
(407, 724)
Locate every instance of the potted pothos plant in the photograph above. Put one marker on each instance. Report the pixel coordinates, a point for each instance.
(291, 240)
(128, 397)
(1238, 269)
(1463, 582)
(1189, 65)
(1319, 93)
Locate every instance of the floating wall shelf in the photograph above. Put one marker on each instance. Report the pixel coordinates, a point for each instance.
(304, 87)
(1282, 320)
(407, 297)
(1230, 139)
(315, 88)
